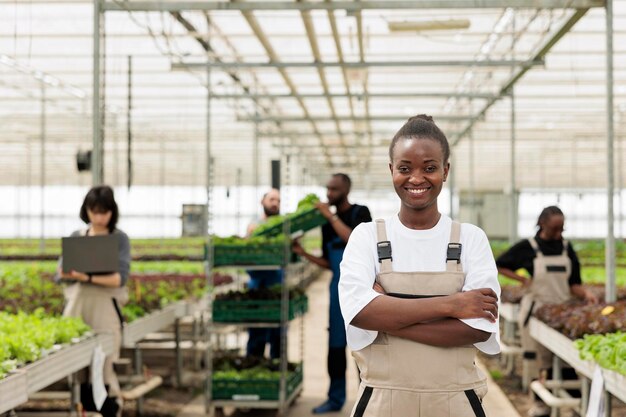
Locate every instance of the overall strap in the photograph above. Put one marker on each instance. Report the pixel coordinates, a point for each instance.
(383, 246)
(535, 246)
(565, 244)
(453, 256)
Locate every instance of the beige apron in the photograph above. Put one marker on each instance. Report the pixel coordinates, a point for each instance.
(402, 378)
(100, 308)
(549, 286)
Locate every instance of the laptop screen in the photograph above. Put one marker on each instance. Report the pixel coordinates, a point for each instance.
(91, 254)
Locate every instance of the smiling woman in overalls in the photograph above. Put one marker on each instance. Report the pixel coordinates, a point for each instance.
(419, 293)
(554, 279)
(98, 298)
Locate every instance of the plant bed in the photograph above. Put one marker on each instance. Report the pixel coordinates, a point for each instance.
(608, 350)
(28, 288)
(576, 319)
(564, 348)
(27, 338)
(513, 293)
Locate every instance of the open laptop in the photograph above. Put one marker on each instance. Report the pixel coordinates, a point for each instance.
(91, 254)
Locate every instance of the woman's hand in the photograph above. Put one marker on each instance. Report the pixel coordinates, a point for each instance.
(481, 303)
(74, 275)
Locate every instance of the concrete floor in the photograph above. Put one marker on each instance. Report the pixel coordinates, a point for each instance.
(315, 325)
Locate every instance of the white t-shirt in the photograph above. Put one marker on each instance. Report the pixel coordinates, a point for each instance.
(413, 251)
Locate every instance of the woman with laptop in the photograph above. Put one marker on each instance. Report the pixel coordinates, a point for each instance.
(97, 292)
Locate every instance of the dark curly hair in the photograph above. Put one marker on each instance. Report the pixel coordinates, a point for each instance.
(421, 127)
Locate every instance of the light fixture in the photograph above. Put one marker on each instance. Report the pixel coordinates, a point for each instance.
(419, 26)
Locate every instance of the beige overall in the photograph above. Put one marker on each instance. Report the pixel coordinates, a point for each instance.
(99, 307)
(549, 286)
(402, 378)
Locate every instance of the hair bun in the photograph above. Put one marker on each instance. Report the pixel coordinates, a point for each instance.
(423, 117)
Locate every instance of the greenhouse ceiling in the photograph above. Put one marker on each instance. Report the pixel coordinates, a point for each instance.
(322, 85)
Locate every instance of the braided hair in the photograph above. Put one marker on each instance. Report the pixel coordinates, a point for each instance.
(548, 212)
(421, 127)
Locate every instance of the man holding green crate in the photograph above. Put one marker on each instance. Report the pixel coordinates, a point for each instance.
(335, 235)
(259, 337)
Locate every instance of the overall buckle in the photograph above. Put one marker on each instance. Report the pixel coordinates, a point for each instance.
(454, 252)
(384, 250)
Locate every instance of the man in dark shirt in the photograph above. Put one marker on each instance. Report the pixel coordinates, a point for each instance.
(335, 235)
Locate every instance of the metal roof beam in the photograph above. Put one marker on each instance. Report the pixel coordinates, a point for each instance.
(273, 56)
(317, 56)
(330, 145)
(336, 38)
(364, 64)
(517, 75)
(366, 100)
(325, 133)
(174, 6)
(289, 119)
(357, 96)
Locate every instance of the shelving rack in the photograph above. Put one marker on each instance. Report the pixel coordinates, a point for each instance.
(248, 401)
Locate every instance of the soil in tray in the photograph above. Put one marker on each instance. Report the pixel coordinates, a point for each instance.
(511, 385)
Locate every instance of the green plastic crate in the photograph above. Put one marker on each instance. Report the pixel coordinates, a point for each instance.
(255, 389)
(252, 311)
(305, 221)
(240, 255)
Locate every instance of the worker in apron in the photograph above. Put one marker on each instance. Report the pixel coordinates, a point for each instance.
(415, 379)
(555, 271)
(419, 293)
(548, 286)
(100, 308)
(98, 299)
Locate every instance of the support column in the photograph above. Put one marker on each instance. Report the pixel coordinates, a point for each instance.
(256, 154)
(513, 216)
(610, 238)
(42, 170)
(96, 153)
(209, 159)
(129, 125)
